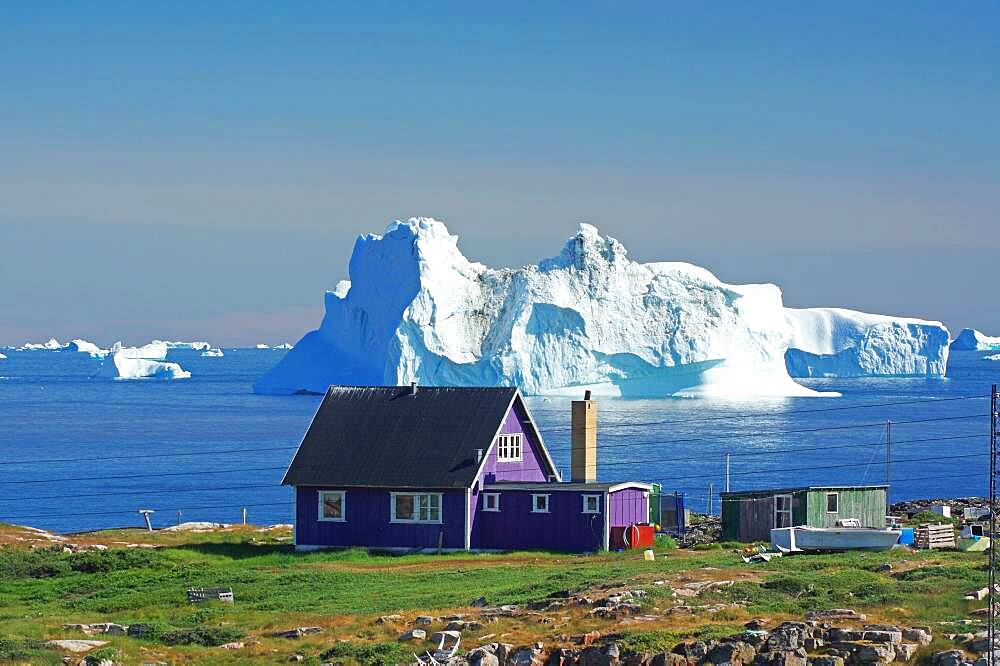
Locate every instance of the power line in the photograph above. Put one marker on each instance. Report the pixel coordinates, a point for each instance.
(143, 492)
(729, 417)
(766, 433)
(128, 457)
(147, 476)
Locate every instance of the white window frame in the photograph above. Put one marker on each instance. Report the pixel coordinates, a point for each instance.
(496, 502)
(777, 511)
(416, 508)
(596, 498)
(534, 503)
(836, 497)
(510, 447)
(343, 506)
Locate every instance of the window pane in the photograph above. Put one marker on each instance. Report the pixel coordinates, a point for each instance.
(332, 505)
(831, 502)
(404, 507)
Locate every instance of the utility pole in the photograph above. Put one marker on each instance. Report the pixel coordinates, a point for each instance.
(888, 461)
(727, 472)
(990, 628)
(710, 498)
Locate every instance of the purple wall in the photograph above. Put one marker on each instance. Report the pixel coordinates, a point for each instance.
(532, 467)
(515, 527)
(367, 524)
(628, 506)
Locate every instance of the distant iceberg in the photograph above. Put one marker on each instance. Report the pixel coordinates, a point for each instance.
(970, 339)
(992, 357)
(283, 345)
(140, 363)
(213, 352)
(84, 347)
(195, 346)
(2, 356)
(261, 345)
(834, 342)
(51, 345)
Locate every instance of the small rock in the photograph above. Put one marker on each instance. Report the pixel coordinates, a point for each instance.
(298, 632)
(238, 645)
(424, 620)
(918, 635)
(905, 651)
(948, 658)
(296, 657)
(389, 619)
(414, 635)
(479, 603)
(885, 566)
(75, 645)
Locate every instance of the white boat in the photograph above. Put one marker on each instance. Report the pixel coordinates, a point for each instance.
(803, 537)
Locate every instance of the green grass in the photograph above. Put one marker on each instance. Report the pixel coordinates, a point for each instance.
(277, 588)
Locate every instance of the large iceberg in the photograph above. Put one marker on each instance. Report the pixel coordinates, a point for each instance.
(969, 339)
(416, 309)
(833, 342)
(140, 363)
(177, 344)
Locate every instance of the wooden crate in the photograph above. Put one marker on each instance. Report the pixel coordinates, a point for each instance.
(939, 535)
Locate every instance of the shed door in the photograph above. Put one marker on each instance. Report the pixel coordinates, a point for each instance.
(756, 516)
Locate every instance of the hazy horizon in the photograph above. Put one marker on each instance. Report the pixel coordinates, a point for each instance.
(179, 173)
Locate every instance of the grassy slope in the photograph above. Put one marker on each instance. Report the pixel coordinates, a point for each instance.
(345, 591)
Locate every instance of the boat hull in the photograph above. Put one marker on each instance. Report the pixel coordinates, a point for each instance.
(834, 538)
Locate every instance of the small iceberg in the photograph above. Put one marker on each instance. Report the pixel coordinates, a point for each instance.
(84, 347)
(140, 363)
(261, 345)
(51, 345)
(215, 352)
(283, 345)
(177, 344)
(991, 357)
(2, 356)
(972, 340)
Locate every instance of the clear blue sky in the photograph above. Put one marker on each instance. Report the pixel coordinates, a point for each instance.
(200, 170)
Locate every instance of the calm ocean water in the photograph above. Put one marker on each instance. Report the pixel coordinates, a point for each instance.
(79, 454)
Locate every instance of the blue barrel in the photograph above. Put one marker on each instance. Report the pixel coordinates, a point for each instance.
(906, 536)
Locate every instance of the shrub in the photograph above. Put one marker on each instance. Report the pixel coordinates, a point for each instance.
(23, 650)
(207, 636)
(931, 517)
(665, 542)
(118, 559)
(377, 654)
(44, 563)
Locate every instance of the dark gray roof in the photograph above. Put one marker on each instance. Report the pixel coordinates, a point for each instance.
(392, 437)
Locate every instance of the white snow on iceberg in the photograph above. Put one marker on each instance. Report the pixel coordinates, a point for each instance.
(51, 345)
(140, 363)
(213, 353)
(195, 346)
(417, 310)
(84, 347)
(833, 342)
(969, 339)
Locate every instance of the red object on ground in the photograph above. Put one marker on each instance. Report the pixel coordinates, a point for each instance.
(633, 536)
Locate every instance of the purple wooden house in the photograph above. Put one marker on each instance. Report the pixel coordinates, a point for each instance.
(451, 469)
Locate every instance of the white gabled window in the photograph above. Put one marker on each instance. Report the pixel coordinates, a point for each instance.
(591, 503)
(332, 505)
(491, 502)
(415, 508)
(509, 448)
(539, 504)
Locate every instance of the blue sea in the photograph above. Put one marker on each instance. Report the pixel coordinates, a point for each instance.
(78, 453)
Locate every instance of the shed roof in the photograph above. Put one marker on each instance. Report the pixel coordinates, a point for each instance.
(571, 486)
(391, 436)
(797, 489)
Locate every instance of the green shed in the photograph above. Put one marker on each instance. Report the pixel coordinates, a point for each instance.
(751, 514)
